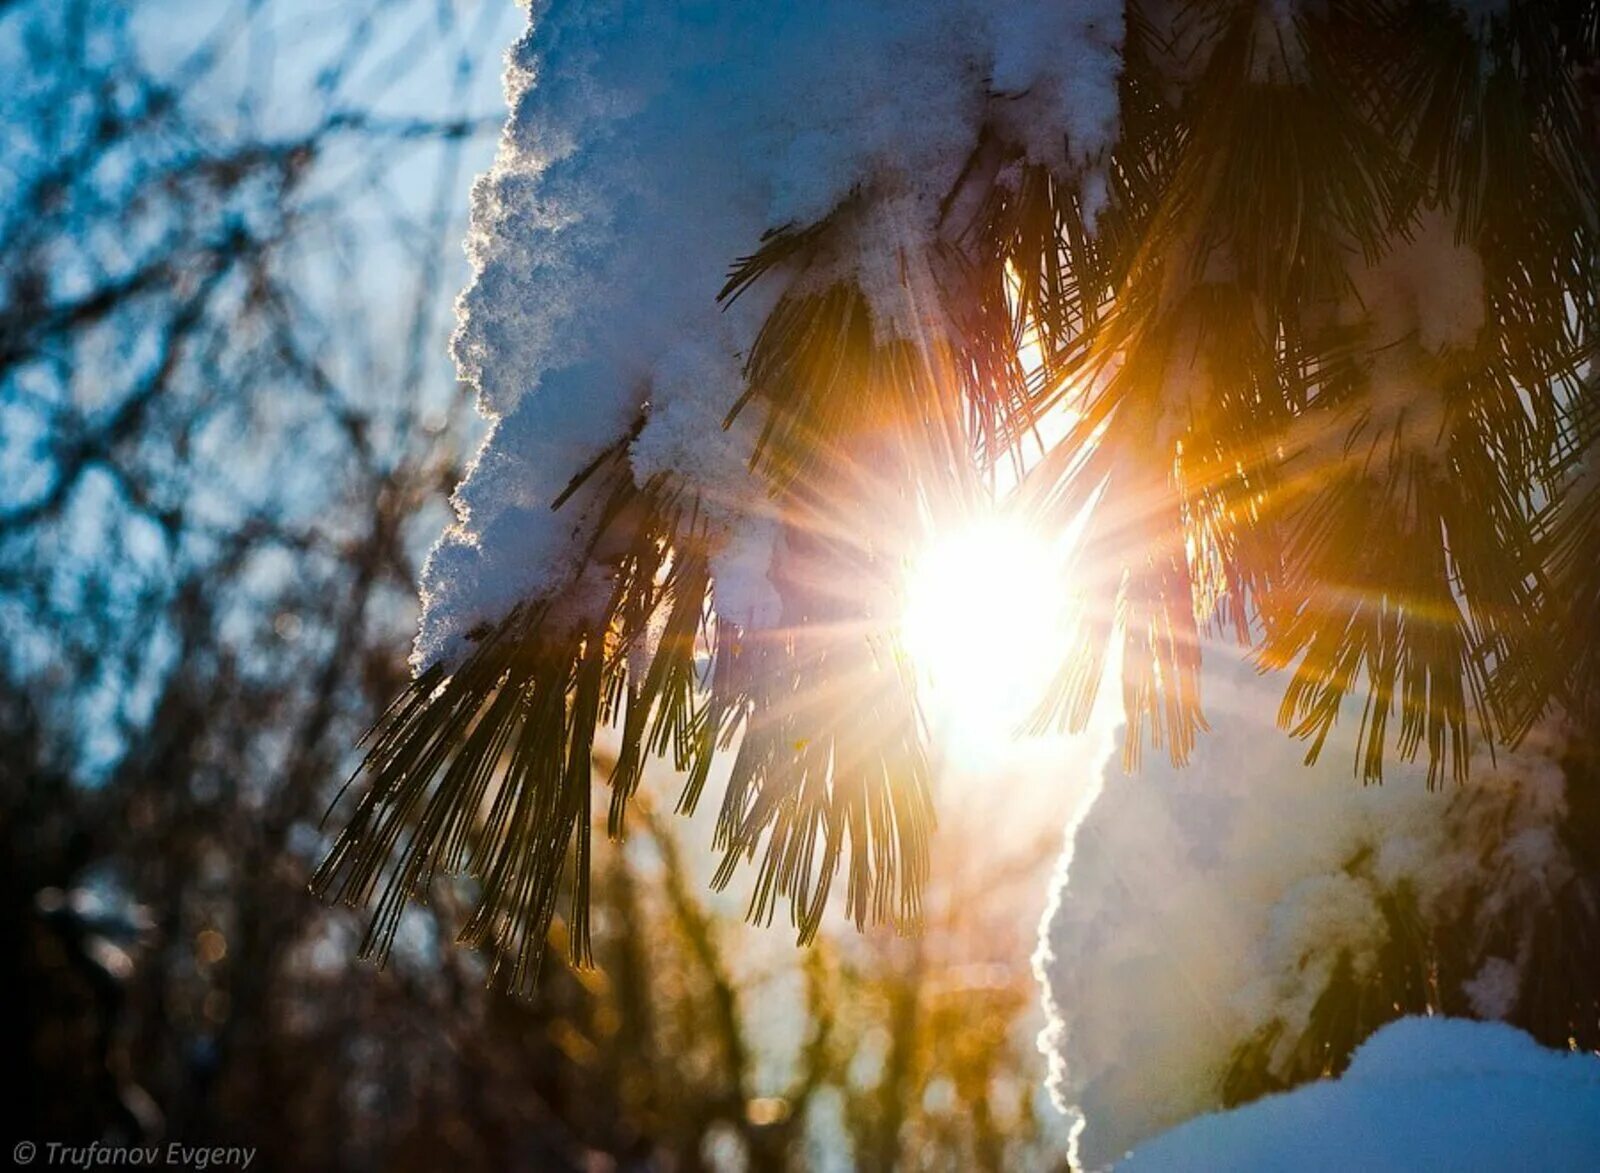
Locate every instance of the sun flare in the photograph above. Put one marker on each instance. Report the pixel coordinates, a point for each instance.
(985, 625)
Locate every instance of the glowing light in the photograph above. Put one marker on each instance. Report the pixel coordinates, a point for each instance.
(985, 625)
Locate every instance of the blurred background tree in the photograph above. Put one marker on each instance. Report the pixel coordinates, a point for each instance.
(229, 240)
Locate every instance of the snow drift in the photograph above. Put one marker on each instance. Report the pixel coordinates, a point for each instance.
(1422, 1093)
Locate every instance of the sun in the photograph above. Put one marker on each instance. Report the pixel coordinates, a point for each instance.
(985, 625)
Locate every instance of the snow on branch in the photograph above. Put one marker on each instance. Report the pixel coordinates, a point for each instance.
(741, 322)
(651, 146)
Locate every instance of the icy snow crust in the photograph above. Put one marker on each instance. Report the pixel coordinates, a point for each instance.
(1422, 1094)
(1195, 906)
(648, 147)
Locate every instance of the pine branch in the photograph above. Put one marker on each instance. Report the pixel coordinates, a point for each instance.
(485, 770)
(1390, 517)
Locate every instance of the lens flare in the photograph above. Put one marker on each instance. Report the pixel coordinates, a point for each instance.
(985, 624)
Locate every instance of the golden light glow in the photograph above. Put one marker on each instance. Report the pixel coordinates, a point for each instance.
(985, 625)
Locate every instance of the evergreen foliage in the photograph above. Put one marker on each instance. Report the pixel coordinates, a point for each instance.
(1324, 318)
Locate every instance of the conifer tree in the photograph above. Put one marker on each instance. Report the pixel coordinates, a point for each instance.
(1312, 284)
